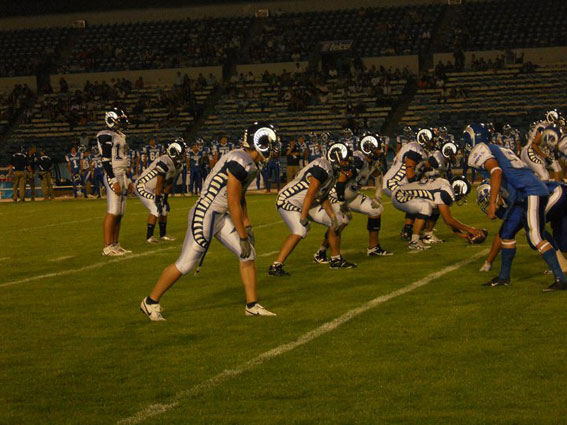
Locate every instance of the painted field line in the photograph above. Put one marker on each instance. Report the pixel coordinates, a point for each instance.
(65, 257)
(4, 258)
(89, 267)
(159, 408)
(267, 254)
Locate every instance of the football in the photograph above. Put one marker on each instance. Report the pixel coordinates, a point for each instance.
(478, 239)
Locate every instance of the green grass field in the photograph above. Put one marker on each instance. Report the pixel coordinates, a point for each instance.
(75, 349)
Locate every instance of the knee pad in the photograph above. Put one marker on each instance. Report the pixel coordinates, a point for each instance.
(410, 216)
(373, 224)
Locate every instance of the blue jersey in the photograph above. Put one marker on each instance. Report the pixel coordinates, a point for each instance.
(223, 149)
(557, 204)
(96, 161)
(351, 142)
(152, 152)
(195, 159)
(314, 150)
(517, 179)
(74, 160)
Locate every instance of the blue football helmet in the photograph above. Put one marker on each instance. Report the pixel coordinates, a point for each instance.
(475, 134)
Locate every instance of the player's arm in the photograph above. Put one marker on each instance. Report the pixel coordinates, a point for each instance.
(234, 194)
(492, 166)
(536, 145)
(378, 181)
(314, 185)
(459, 228)
(105, 142)
(410, 169)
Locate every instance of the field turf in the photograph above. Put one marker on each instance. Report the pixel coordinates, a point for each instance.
(75, 349)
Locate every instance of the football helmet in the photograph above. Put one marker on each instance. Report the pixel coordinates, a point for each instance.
(261, 136)
(461, 187)
(490, 127)
(483, 196)
(551, 135)
(449, 150)
(507, 129)
(475, 134)
(116, 119)
(552, 116)
(372, 145)
(443, 132)
(339, 156)
(177, 150)
(425, 138)
(347, 133)
(408, 132)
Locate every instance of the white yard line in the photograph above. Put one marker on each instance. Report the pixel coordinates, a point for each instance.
(159, 408)
(267, 254)
(4, 258)
(89, 267)
(65, 257)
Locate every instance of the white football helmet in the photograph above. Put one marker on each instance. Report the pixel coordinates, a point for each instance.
(262, 137)
(338, 153)
(116, 119)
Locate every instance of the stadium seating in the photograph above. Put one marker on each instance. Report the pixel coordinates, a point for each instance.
(23, 50)
(508, 95)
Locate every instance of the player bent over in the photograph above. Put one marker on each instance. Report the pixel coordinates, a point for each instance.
(528, 201)
(113, 148)
(306, 198)
(366, 164)
(424, 198)
(154, 186)
(221, 212)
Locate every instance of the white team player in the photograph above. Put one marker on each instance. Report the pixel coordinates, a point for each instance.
(306, 198)
(403, 139)
(404, 170)
(154, 185)
(221, 212)
(538, 156)
(422, 198)
(113, 149)
(366, 164)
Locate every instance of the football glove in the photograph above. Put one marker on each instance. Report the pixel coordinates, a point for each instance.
(485, 267)
(166, 202)
(245, 248)
(250, 234)
(375, 203)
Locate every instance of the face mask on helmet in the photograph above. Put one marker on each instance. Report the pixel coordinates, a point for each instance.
(116, 119)
(551, 136)
(449, 150)
(425, 138)
(371, 146)
(461, 188)
(262, 137)
(338, 155)
(176, 150)
(483, 197)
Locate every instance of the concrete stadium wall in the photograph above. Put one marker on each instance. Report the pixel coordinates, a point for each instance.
(7, 84)
(401, 62)
(535, 55)
(160, 77)
(238, 9)
(273, 68)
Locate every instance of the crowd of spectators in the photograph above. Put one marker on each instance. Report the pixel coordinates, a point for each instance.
(12, 104)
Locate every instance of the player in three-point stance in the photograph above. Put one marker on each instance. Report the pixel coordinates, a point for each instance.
(306, 198)
(221, 212)
(528, 198)
(113, 148)
(154, 186)
(366, 164)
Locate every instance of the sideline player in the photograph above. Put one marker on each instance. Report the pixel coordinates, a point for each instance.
(154, 186)
(221, 212)
(113, 148)
(307, 198)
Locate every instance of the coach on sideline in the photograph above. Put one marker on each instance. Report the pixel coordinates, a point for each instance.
(18, 167)
(45, 165)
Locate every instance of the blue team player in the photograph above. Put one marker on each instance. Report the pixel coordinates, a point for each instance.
(313, 148)
(207, 157)
(273, 167)
(97, 171)
(528, 198)
(195, 170)
(152, 151)
(74, 166)
(221, 148)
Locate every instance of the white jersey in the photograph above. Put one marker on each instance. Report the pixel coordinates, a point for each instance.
(164, 165)
(363, 170)
(114, 149)
(422, 197)
(396, 175)
(537, 128)
(437, 163)
(403, 140)
(214, 193)
(292, 195)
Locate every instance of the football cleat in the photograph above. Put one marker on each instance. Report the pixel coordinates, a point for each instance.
(418, 246)
(432, 239)
(320, 257)
(152, 311)
(497, 281)
(378, 251)
(152, 239)
(111, 251)
(406, 233)
(341, 263)
(167, 238)
(558, 285)
(277, 270)
(258, 310)
(119, 248)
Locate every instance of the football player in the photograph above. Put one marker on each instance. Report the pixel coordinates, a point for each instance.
(403, 139)
(537, 154)
(366, 164)
(349, 139)
(528, 201)
(74, 166)
(555, 214)
(273, 168)
(404, 170)
(423, 199)
(152, 150)
(114, 149)
(133, 164)
(154, 186)
(509, 138)
(97, 171)
(221, 212)
(306, 198)
(86, 174)
(313, 148)
(222, 147)
(195, 162)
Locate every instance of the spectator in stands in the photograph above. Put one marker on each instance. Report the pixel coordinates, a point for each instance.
(63, 86)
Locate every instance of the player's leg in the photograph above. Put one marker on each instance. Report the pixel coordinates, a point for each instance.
(298, 232)
(277, 175)
(373, 209)
(428, 236)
